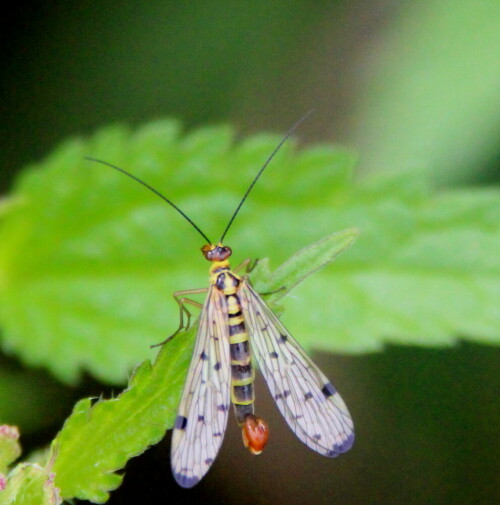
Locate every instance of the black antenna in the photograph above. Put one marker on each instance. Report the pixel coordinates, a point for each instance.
(145, 184)
(283, 140)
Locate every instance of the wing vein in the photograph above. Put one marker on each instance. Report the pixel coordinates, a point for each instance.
(203, 409)
(305, 397)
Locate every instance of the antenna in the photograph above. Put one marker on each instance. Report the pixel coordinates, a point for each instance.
(164, 198)
(146, 185)
(277, 148)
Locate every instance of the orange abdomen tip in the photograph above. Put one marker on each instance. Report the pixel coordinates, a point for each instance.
(255, 433)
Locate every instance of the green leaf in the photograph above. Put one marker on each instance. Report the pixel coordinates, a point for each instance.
(89, 259)
(8, 204)
(301, 265)
(98, 439)
(10, 449)
(30, 484)
(424, 271)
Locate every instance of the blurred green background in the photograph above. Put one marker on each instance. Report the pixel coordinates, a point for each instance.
(407, 85)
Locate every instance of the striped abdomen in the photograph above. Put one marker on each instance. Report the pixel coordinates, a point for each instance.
(242, 372)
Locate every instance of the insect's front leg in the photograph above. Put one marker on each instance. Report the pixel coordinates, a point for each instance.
(180, 298)
(247, 264)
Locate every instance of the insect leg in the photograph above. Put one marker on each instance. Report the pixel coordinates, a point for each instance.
(268, 293)
(247, 264)
(180, 298)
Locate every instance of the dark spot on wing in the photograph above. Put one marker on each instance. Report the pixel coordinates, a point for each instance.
(283, 338)
(217, 366)
(348, 442)
(180, 423)
(203, 355)
(273, 355)
(328, 390)
(185, 481)
(308, 396)
(343, 447)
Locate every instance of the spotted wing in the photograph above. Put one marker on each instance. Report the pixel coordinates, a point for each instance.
(308, 401)
(202, 415)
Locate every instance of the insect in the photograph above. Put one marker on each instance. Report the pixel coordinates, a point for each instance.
(236, 326)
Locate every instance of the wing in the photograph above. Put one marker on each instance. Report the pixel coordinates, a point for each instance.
(202, 416)
(308, 401)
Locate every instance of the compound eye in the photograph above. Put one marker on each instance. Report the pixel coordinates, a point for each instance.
(216, 252)
(224, 253)
(208, 251)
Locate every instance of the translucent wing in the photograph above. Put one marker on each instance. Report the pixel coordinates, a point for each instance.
(202, 415)
(308, 401)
